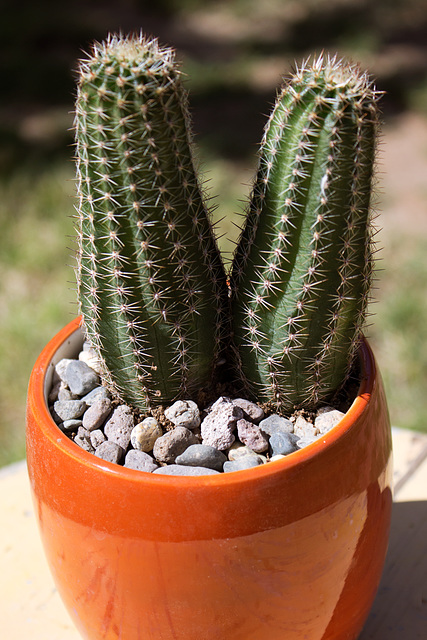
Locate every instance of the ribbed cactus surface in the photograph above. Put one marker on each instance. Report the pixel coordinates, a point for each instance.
(152, 287)
(303, 268)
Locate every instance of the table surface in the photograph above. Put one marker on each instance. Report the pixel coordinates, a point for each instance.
(31, 608)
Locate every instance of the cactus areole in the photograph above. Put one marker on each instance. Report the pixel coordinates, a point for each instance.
(152, 287)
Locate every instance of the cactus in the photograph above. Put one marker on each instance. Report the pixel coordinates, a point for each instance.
(303, 267)
(151, 284)
(153, 292)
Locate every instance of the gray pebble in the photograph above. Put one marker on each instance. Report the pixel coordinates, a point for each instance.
(184, 413)
(202, 455)
(71, 425)
(173, 443)
(250, 409)
(110, 451)
(140, 461)
(53, 393)
(251, 436)
(97, 413)
(327, 419)
(276, 424)
(218, 426)
(283, 443)
(61, 369)
(145, 434)
(97, 437)
(182, 470)
(69, 409)
(244, 462)
(96, 394)
(80, 378)
(83, 440)
(65, 394)
(118, 427)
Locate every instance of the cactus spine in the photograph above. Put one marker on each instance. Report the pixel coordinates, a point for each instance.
(152, 288)
(303, 268)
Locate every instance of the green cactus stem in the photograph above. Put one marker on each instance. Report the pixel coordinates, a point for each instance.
(152, 288)
(303, 267)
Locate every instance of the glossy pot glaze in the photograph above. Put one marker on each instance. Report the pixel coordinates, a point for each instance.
(291, 550)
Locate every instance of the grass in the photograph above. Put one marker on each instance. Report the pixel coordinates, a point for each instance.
(35, 299)
(399, 331)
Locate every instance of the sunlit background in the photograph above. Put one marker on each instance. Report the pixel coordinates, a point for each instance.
(235, 53)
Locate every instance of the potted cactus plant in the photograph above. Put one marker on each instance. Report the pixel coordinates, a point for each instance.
(293, 548)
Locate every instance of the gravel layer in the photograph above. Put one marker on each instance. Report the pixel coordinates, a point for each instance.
(229, 435)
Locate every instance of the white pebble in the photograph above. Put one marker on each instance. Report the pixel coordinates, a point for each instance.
(90, 358)
(184, 413)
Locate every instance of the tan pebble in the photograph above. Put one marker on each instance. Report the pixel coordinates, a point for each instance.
(304, 429)
(326, 420)
(145, 434)
(239, 450)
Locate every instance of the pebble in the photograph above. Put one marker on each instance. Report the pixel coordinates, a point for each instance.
(145, 434)
(69, 409)
(65, 394)
(89, 357)
(118, 427)
(80, 378)
(251, 436)
(327, 419)
(173, 443)
(96, 394)
(279, 456)
(238, 450)
(202, 455)
(110, 451)
(182, 470)
(304, 429)
(140, 461)
(97, 413)
(250, 409)
(97, 437)
(83, 440)
(276, 424)
(304, 442)
(283, 443)
(53, 393)
(218, 426)
(61, 368)
(244, 462)
(71, 425)
(184, 413)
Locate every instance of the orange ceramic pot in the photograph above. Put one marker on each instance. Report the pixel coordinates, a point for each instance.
(291, 550)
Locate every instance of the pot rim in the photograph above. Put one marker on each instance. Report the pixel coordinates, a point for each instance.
(44, 420)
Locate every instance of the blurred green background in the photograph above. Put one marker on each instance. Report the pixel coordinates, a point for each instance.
(235, 53)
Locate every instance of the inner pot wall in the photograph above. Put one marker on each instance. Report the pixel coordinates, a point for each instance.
(290, 550)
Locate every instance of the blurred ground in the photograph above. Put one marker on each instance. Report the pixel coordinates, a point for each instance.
(234, 53)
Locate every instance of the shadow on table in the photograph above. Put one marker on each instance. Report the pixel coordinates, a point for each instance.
(400, 608)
